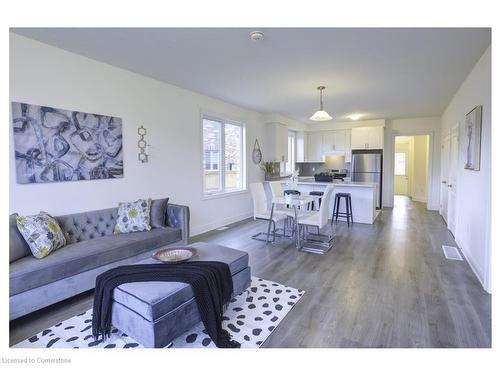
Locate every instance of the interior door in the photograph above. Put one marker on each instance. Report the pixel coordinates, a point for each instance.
(401, 166)
(401, 173)
(452, 181)
(445, 161)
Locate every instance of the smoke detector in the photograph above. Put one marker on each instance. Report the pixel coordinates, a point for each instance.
(256, 35)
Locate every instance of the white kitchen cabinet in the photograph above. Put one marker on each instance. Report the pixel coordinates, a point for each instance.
(328, 142)
(301, 146)
(348, 149)
(314, 146)
(277, 143)
(367, 138)
(340, 140)
(334, 142)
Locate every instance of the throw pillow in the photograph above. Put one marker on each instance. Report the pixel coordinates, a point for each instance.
(159, 213)
(133, 216)
(18, 247)
(42, 233)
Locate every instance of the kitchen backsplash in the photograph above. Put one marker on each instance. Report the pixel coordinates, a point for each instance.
(331, 162)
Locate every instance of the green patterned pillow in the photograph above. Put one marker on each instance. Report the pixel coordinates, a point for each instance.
(133, 216)
(42, 233)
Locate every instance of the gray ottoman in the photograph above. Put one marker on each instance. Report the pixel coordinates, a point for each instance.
(156, 312)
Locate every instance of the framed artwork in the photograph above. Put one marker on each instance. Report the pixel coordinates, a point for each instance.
(473, 122)
(54, 144)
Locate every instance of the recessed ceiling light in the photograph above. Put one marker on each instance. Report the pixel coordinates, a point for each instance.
(256, 35)
(355, 116)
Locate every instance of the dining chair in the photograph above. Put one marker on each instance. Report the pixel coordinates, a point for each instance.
(261, 211)
(278, 192)
(318, 220)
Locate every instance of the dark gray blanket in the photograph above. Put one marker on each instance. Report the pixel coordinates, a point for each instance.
(211, 282)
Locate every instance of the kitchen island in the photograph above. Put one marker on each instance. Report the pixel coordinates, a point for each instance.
(363, 196)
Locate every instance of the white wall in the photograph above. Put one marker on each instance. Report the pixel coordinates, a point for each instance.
(474, 187)
(414, 126)
(41, 74)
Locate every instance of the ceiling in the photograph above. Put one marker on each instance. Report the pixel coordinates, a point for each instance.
(380, 73)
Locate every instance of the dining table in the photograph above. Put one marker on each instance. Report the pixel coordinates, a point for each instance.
(297, 203)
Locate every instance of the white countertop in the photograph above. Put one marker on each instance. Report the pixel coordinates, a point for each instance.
(339, 183)
(363, 195)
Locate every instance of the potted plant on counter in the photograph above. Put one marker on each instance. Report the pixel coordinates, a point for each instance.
(324, 177)
(271, 169)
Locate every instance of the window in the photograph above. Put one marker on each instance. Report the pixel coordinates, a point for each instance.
(223, 156)
(290, 164)
(400, 163)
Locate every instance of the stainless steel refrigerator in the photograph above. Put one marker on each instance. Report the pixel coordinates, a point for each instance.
(366, 166)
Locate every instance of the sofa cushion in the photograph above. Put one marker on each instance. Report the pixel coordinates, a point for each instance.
(18, 247)
(42, 233)
(154, 299)
(159, 213)
(134, 216)
(28, 272)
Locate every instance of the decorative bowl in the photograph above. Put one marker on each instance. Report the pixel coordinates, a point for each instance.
(175, 255)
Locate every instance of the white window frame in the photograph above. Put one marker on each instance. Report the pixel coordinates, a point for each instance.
(223, 192)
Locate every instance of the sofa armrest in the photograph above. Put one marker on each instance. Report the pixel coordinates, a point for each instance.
(178, 217)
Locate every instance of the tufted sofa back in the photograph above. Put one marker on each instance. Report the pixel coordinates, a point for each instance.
(88, 225)
(92, 224)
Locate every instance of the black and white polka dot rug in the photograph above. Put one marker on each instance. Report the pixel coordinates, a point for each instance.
(250, 318)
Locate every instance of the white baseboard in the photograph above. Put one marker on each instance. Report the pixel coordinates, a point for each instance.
(472, 265)
(219, 223)
(419, 199)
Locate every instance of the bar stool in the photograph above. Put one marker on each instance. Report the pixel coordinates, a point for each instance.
(316, 193)
(348, 206)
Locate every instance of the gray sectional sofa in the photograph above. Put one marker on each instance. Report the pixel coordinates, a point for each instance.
(91, 249)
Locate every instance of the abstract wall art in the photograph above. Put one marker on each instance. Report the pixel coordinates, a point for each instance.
(59, 145)
(473, 122)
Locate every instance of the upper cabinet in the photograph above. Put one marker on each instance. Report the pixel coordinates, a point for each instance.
(301, 139)
(367, 138)
(277, 143)
(314, 146)
(334, 142)
(348, 148)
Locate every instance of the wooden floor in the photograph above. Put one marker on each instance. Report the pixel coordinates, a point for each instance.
(382, 285)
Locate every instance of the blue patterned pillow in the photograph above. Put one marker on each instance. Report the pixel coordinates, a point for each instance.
(42, 233)
(133, 216)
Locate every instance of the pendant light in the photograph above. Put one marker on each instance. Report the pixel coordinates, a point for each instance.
(321, 114)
